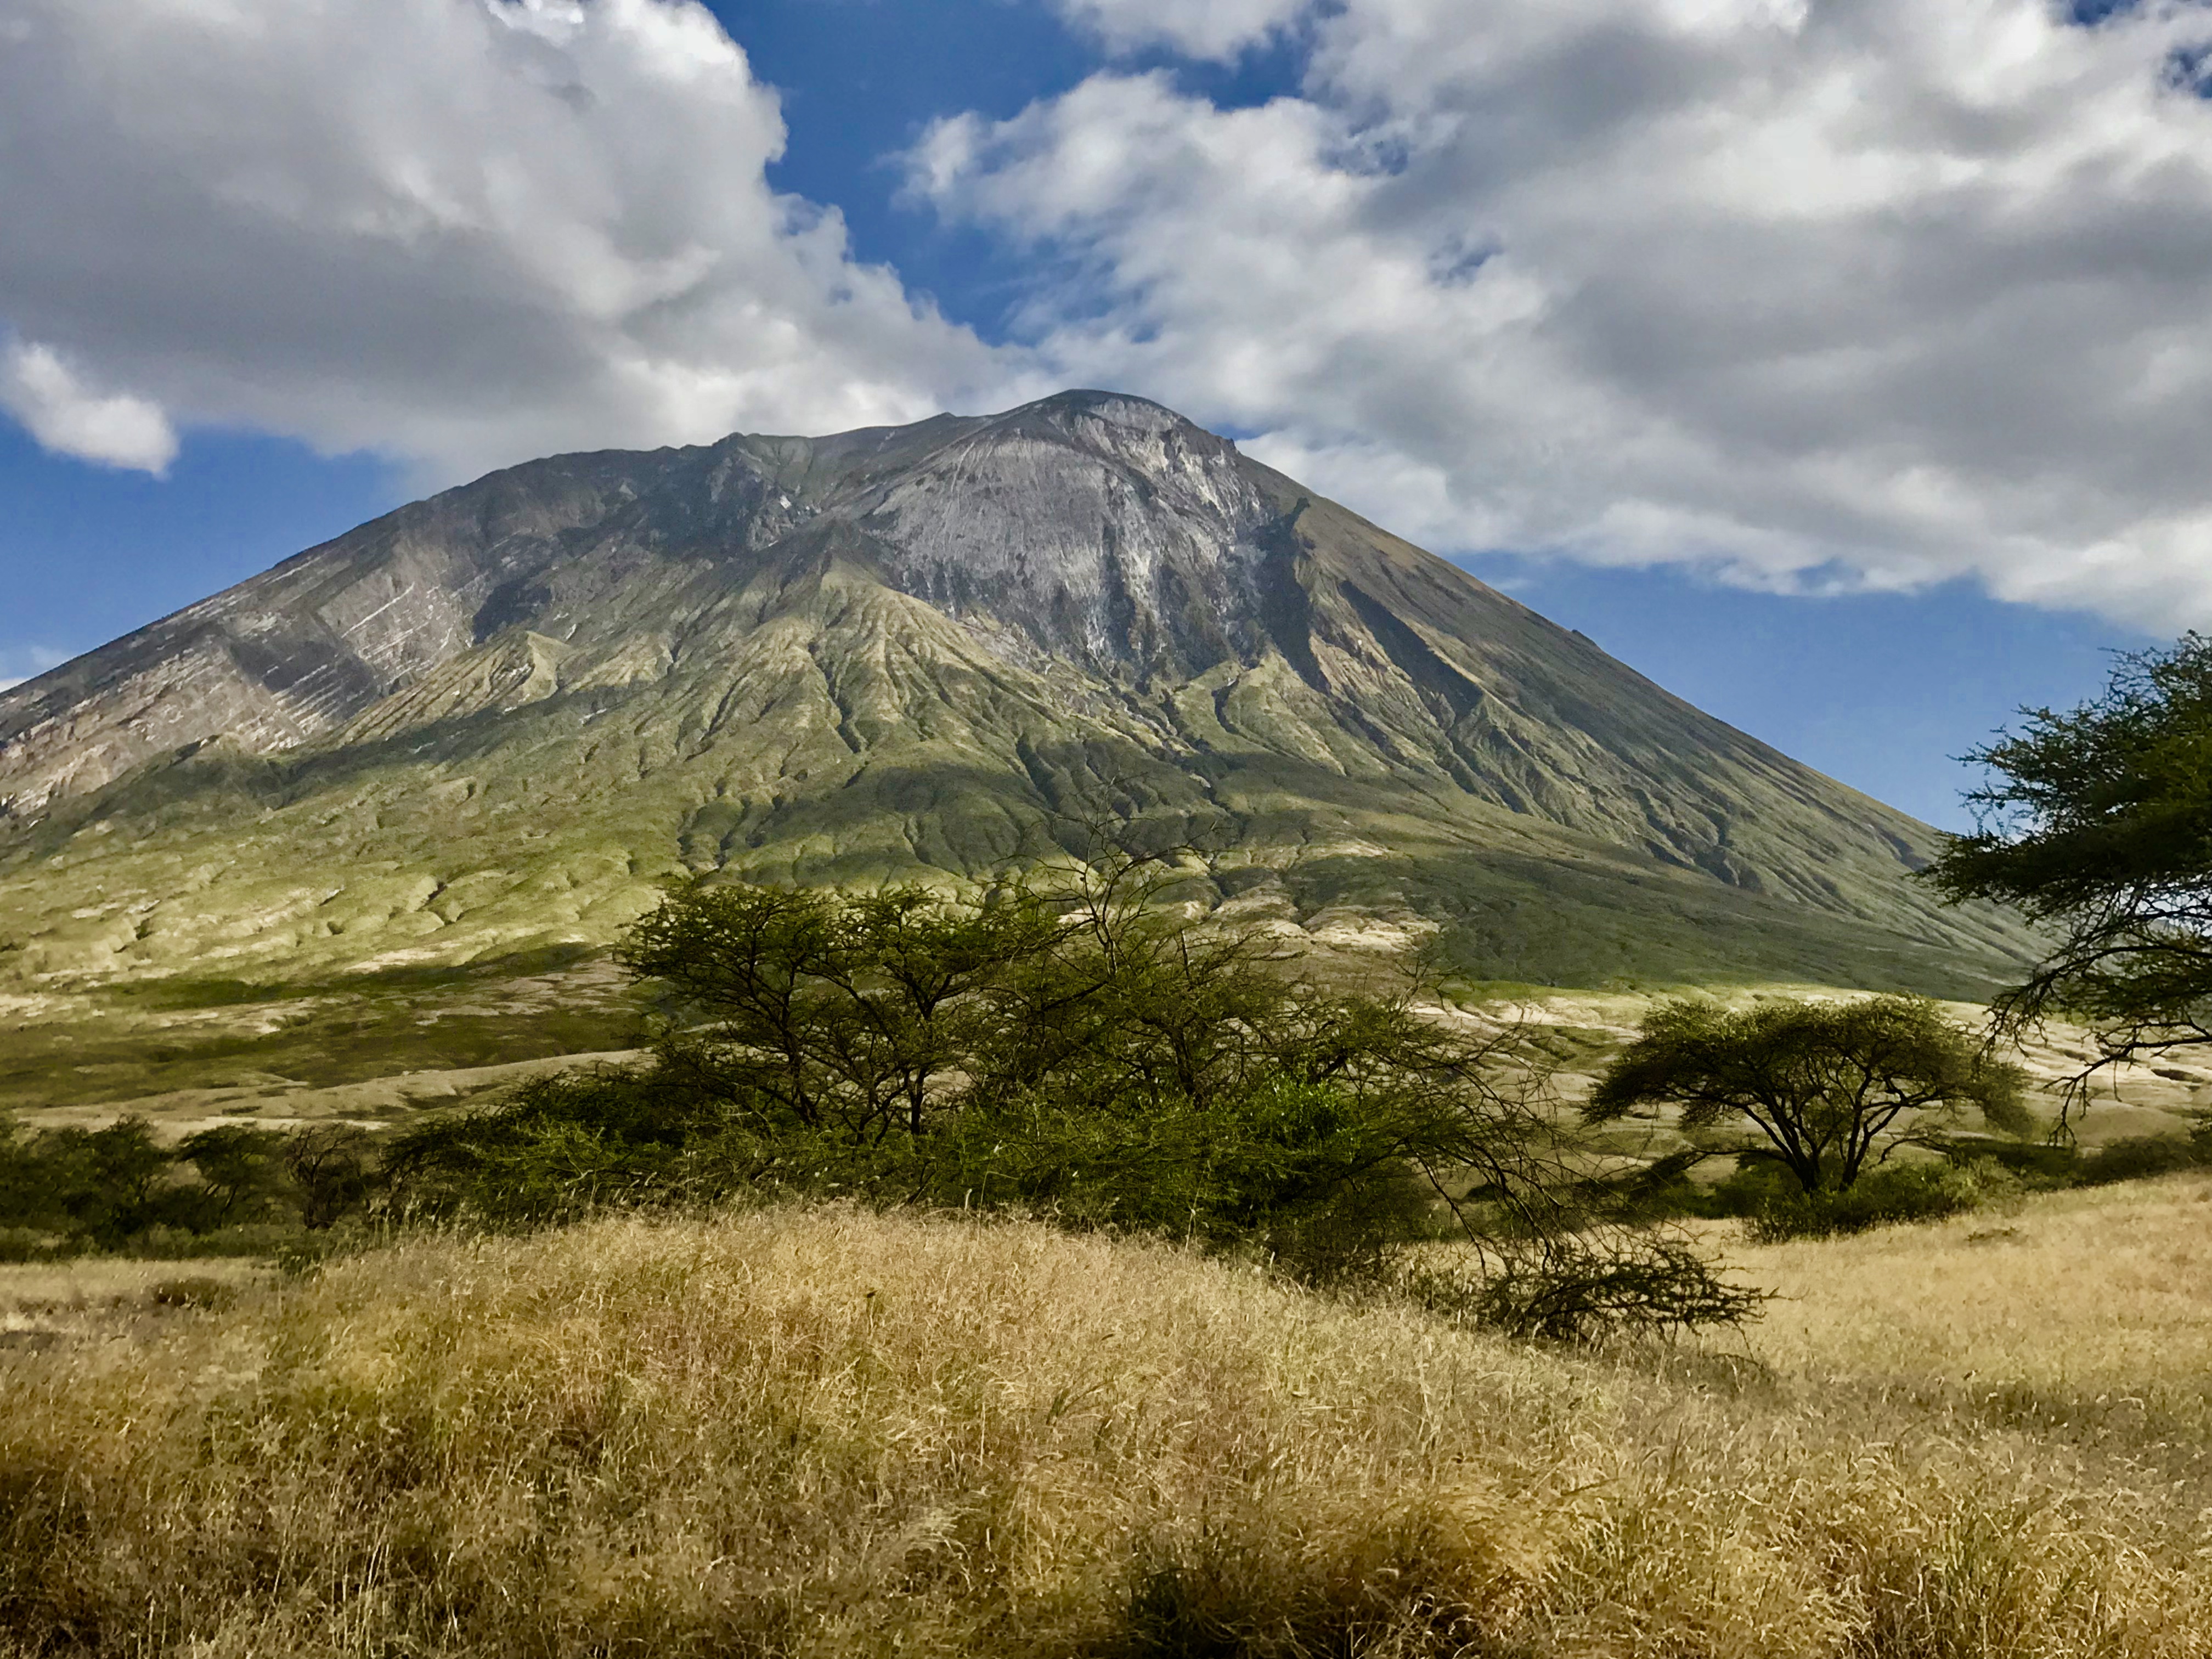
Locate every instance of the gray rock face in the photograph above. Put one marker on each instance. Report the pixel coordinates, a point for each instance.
(1104, 530)
(1110, 533)
(898, 651)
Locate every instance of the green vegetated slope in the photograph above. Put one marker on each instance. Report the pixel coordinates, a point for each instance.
(491, 724)
(187, 1052)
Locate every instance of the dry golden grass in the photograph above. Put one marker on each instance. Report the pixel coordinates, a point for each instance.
(45, 1302)
(827, 1433)
(2085, 1318)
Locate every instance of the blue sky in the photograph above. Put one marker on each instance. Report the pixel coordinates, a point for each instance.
(1711, 329)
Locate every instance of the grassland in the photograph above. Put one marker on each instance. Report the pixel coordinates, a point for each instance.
(2084, 1321)
(827, 1432)
(377, 1048)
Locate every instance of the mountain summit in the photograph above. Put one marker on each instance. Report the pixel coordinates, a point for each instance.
(493, 719)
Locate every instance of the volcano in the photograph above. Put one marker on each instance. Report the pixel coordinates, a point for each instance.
(495, 720)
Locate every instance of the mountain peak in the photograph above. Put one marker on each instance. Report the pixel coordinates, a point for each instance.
(903, 651)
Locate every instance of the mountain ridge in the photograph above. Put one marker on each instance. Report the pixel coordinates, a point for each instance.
(908, 652)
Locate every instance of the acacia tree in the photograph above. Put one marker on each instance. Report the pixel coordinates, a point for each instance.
(2098, 824)
(1828, 1084)
(843, 1012)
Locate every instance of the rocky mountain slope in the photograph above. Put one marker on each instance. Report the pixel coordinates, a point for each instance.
(491, 721)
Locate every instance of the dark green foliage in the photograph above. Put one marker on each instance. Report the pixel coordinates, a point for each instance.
(840, 1014)
(561, 1145)
(68, 1190)
(101, 1185)
(1296, 1170)
(2139, 1156)
(1085, 1052)
(2098, 824)
(242, 1173)
(333, 1168)
(1828, 1085)
(1885, 1197)
(22, 1194)
(1978, 1174)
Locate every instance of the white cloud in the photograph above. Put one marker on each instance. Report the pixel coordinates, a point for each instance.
(464, 232)
(42, 392)
(1868, 292)
(21, 663)
(1217, 29)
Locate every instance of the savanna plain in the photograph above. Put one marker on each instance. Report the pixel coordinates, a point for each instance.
(819, 1430)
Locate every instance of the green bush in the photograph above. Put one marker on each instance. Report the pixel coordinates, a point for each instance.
(233, 1189)
(2041, 1165)
(95, 1187)
(1980, 1173)
(2140, 1157)
(1912, 1192)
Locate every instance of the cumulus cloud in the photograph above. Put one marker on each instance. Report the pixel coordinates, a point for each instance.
(117, 430)
(1871, 293)
(463, 231)
(1217, 29)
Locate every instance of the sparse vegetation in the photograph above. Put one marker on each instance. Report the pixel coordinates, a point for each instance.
(257, 1043)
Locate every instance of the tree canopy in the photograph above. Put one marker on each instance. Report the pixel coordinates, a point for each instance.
(2098, 822)
(1083, 1048)
(1829, 1086)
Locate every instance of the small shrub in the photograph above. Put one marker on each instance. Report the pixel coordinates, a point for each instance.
(194, 1291)
(1912, 1192)
(1583, 1289)
(231, 1190)
(2041, 1165)
(2140, 1157)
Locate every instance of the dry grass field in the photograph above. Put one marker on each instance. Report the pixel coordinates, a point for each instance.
(830, 1432)
(99, 1298)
